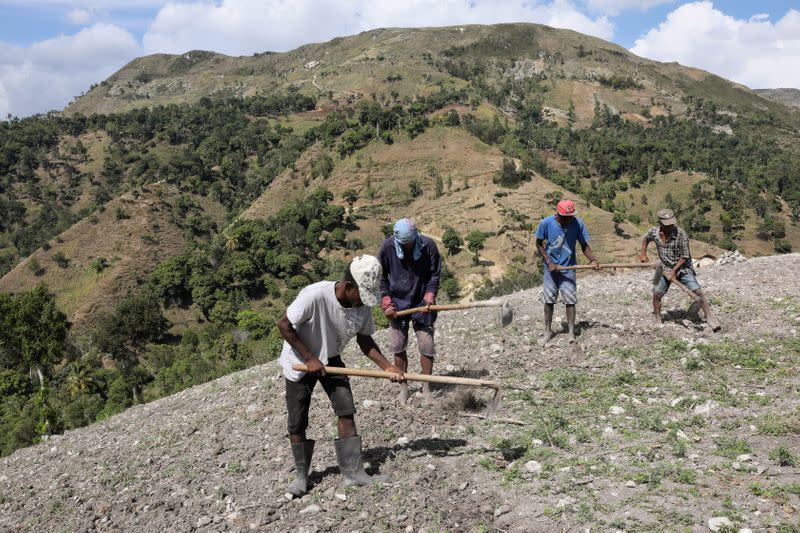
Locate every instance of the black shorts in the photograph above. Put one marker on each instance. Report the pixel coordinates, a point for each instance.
(298, 397)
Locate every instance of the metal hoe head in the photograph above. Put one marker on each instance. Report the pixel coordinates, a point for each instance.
(491, 411)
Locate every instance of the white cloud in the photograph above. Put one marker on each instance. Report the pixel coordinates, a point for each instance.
(755, 52)
(48, 74)
(614, 7)
(79, 16)
(5, 107)
(240, 27)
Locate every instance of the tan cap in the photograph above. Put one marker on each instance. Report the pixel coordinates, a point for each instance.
(367, 272)
(666, 217)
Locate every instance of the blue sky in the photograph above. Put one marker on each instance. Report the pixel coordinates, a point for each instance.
(51, 50)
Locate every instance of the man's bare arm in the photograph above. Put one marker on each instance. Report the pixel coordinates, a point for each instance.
(371, 350)
(315, 366)
(546, 258)
(589, 253)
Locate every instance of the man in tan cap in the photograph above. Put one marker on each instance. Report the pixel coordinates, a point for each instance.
(672, 245)
(316, 328)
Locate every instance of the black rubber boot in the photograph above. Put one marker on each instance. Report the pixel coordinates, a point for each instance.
(348, 453)
(302, 452)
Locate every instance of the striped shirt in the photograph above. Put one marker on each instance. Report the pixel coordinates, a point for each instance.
(673, 249)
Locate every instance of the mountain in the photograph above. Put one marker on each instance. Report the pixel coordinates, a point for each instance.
(790, 97)
(632, 428)
(204, 191)
(409, 62)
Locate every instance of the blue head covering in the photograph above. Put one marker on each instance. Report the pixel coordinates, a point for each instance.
(405, 232)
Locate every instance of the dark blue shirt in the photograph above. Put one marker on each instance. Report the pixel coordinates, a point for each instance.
(561, 241)
(407, 280)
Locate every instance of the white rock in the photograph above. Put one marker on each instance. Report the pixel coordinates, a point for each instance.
(563, 502)
(449, 368)
(616, 410)
(716, 523)
(681, 435)
(402, 441)
(677, 401)
(537, 442)
(534, 467)
(503, 509)
(745, 530)
(706, 407)
(313, 508)
(630, 483)
(744, 457)
(496, 348)
(340, 496)
(370, 404)
(430, 466)
(736, 465)
(203, 521)
(608, 432)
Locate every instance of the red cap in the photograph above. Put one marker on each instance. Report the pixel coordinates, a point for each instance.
(566, 208)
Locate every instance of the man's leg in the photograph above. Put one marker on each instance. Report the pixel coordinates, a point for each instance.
(348, 445)
(427, 352)
(298, 401)
(571, 312)
(346, 426)
(549, 297)
(657, 308)
(398, 339)
(569, 293)
(660, 288)
(548, 322)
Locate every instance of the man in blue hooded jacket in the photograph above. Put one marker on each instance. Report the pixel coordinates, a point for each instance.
(411, 266)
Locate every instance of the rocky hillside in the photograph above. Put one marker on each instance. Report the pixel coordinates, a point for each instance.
(632, 428)
(790, 97)
(393, 63)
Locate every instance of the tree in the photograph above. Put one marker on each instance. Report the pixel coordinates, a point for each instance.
(571, 112)
(475, 240)
(350, 196)
(782, 246)
(509, 176)
(452, 240)
(125, 331)
(39, 329)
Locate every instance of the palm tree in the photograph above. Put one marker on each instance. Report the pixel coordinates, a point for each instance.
(79, 380)
(231, 243)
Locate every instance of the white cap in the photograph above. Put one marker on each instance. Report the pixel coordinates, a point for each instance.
(366, 271)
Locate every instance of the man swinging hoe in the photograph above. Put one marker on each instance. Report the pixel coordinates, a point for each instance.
(316, 328)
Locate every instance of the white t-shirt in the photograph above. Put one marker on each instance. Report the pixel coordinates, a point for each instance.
(323, 324)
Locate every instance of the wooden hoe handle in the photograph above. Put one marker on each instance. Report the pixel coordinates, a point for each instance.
(450, 307)
(608, 265)
(370, 373)
(684, 288)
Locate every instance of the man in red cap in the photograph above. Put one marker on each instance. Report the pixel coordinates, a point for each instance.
(556, 237)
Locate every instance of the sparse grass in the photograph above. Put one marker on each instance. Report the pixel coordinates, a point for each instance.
(778, 425)
(732, 447)
(783, 456)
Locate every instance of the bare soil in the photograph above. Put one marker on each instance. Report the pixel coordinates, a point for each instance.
(632, 428)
